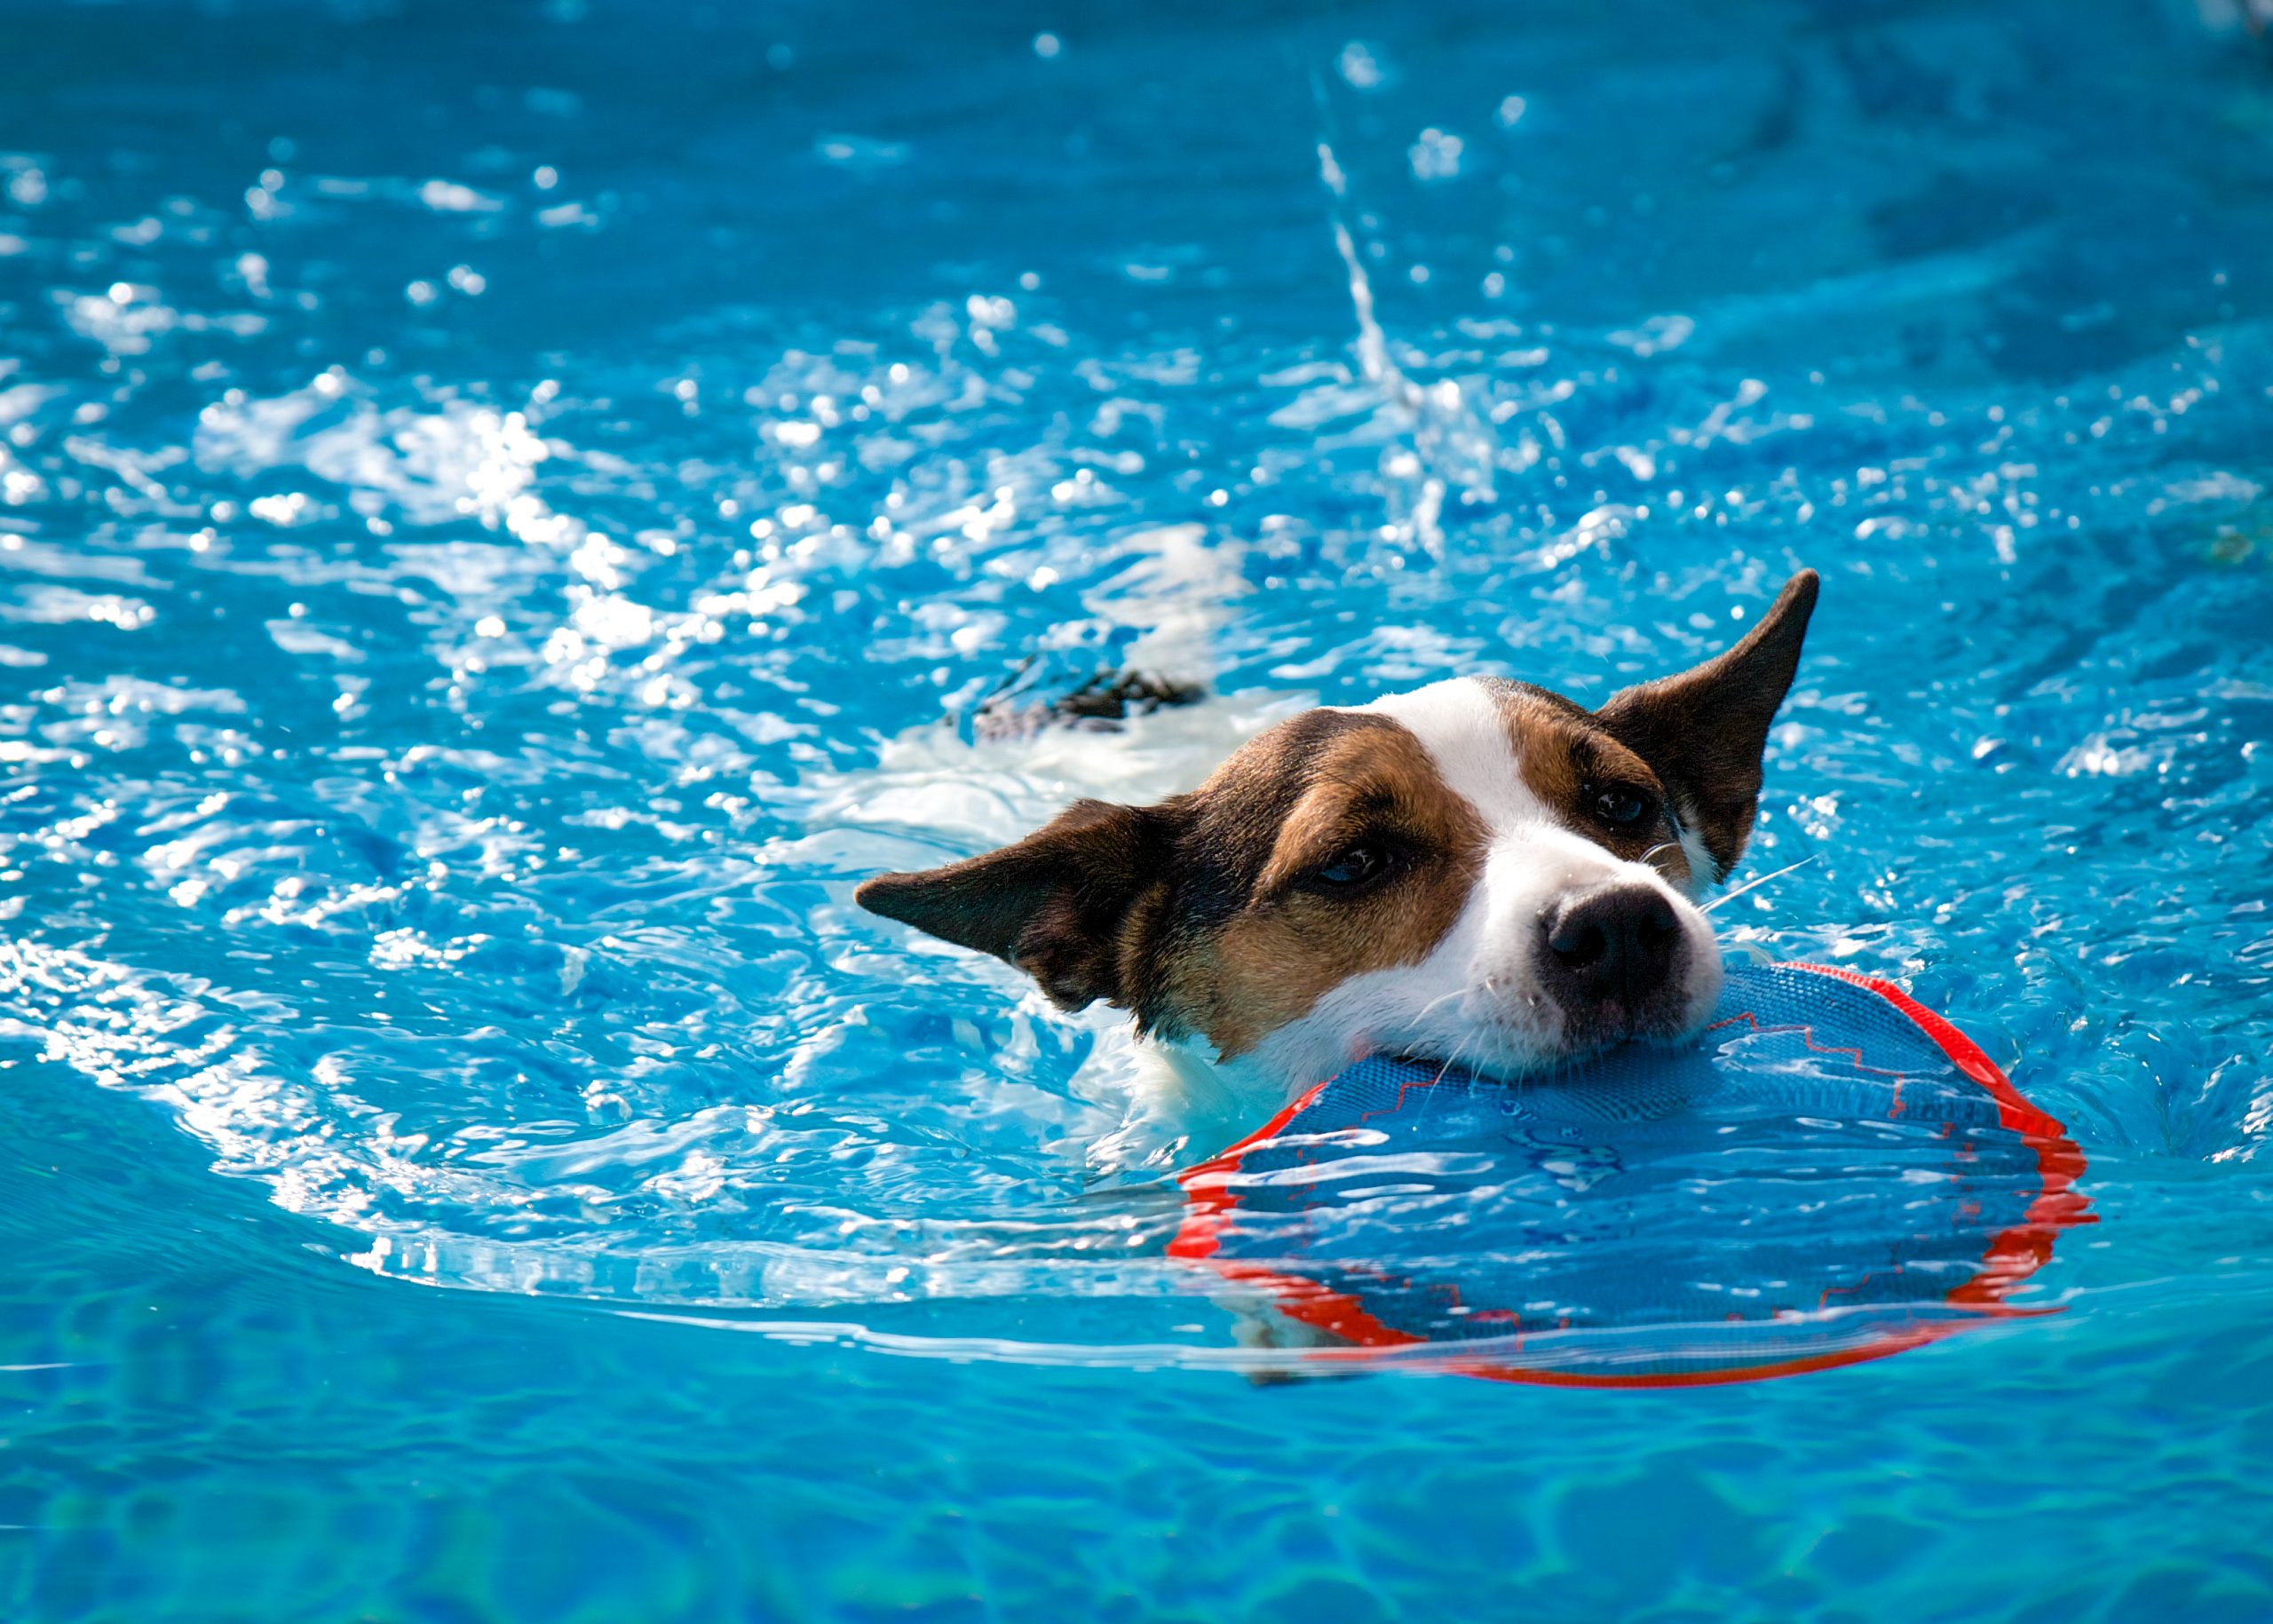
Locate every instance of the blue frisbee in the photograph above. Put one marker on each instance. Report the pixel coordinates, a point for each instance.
(1832, 1173)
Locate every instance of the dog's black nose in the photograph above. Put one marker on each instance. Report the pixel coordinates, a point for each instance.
(1613, 944)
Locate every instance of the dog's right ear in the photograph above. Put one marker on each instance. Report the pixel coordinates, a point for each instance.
(1069, 904)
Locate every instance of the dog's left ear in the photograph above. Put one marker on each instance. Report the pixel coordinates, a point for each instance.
(1702, 731)
(1067, 905)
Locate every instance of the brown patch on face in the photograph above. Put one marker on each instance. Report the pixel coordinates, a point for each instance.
(1217, 912)
(1577, 769)
(1368, 787)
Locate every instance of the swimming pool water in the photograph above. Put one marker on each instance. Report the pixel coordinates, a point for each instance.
(508, 513)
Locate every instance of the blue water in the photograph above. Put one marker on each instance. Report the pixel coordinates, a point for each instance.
(507, 512)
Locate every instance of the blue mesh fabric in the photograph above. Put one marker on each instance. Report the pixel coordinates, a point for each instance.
(1814, 1171)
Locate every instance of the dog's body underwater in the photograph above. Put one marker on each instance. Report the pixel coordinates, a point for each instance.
(1478, 870)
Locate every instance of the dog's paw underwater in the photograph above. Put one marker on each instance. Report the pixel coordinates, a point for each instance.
(1479, 870)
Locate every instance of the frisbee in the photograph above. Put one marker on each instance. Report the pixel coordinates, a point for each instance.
(1831, 1173)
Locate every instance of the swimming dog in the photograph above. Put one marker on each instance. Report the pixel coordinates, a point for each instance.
(1480, 871)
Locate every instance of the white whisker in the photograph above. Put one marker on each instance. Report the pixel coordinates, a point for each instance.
(1451, 1061)
(1453, 1064)
(1425, 1009)
(1751, 884)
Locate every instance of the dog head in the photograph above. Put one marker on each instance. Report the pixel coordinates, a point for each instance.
(1478, 870)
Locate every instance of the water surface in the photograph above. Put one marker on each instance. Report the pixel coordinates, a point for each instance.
(506, 516)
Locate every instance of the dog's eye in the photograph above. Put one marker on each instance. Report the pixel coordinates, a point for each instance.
(1620, 805)
(1360, 865)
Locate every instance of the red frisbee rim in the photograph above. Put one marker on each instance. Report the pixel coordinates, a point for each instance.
(2011, 1255)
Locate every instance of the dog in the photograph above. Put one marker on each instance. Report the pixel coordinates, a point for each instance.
(1479, 872)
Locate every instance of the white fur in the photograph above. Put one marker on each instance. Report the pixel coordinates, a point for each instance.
(1467, 738)
(1704, 873)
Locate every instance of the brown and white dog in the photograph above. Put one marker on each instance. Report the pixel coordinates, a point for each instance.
(1479, 870)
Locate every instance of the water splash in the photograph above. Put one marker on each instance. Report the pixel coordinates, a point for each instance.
(1436, 442)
